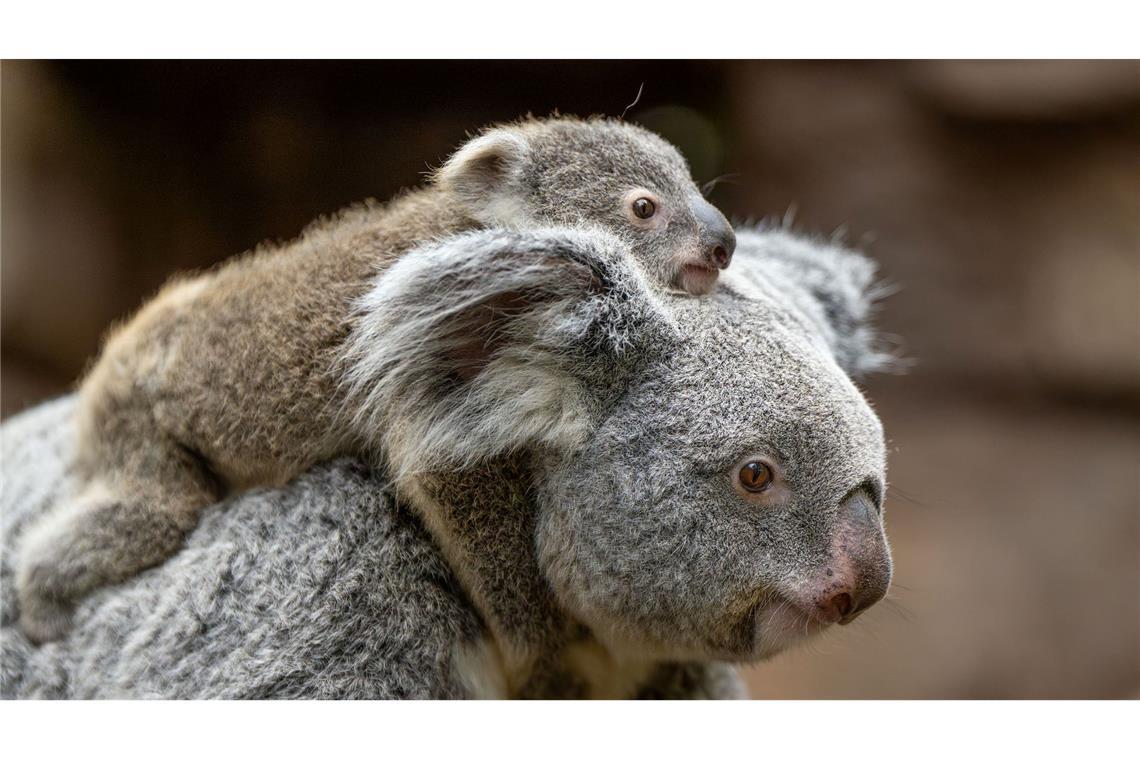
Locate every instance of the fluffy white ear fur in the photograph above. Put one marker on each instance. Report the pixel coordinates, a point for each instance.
(483, 174)
(492, 341)
(832, 286)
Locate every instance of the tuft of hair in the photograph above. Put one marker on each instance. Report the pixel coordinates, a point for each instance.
(841, 288)
(485, 343)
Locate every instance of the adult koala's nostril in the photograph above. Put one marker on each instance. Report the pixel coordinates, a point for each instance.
(841, 605)
(835, 608)
(856, 608)
(844, 607)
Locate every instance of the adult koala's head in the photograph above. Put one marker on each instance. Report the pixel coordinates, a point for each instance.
(603, 172)
(707, 481)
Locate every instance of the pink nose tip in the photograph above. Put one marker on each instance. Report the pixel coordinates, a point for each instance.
(842, 608)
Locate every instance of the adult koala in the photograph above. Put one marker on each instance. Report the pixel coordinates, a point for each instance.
(589, 488)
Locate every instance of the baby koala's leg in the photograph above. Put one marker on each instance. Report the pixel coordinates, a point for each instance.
(133, 513)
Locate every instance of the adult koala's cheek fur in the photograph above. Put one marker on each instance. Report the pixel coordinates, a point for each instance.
(649, 565)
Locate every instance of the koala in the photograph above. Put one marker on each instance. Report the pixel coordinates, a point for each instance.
(583, 486)
(696, 478)
(230, 380)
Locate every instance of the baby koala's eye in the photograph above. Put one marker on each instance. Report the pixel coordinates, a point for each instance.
(643, 208)
(755, 476)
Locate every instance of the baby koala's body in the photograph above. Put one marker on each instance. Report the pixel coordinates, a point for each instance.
(234, 378)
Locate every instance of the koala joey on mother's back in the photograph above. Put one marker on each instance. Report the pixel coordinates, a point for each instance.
(230, 379)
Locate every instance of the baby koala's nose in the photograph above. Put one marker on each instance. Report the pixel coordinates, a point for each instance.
(721, 256)
(717, 238)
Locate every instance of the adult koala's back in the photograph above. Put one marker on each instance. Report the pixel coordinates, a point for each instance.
(325, 588)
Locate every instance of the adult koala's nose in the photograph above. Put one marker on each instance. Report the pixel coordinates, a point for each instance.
(858, 570)
(717, 238)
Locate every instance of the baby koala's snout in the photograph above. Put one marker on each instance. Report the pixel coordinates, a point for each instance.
(717, 238)
(858, 571)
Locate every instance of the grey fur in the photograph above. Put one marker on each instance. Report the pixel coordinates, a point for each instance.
(608, 531)
(322, 589)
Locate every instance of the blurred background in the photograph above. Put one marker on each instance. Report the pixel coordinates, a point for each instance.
(1002, 198)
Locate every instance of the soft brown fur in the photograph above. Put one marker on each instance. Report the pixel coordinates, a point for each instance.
(229, 379)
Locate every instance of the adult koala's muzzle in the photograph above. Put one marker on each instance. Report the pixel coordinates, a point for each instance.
(858, 571)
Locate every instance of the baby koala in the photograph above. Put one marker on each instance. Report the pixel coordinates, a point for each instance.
(233, 379)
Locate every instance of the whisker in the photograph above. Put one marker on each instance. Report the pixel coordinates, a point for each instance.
(903, 612)
(907, 497)
(789, 217)
(635, 102)
(709, 186)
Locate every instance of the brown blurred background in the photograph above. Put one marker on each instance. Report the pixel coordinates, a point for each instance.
(1003, 198)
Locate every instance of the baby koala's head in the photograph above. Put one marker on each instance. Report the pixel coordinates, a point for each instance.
(600, 173)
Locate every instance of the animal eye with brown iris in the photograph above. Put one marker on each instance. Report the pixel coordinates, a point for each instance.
(755, 476)
(643, 208)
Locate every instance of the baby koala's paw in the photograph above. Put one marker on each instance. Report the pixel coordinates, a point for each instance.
(83, 544)
(44, 581)
(42, 619)
(43, 615)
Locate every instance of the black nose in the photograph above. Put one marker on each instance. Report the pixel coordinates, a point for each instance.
(717, 240)
(721, 255)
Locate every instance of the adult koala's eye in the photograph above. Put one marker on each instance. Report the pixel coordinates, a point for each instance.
(755, 476)
(643, 208)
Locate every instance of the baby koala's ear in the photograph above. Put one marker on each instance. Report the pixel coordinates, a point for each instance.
(834, 287)
(484, 176)
(494, 341)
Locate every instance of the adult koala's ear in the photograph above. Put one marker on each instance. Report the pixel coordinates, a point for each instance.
(494, 341)
(484, 176)
(832, 286)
